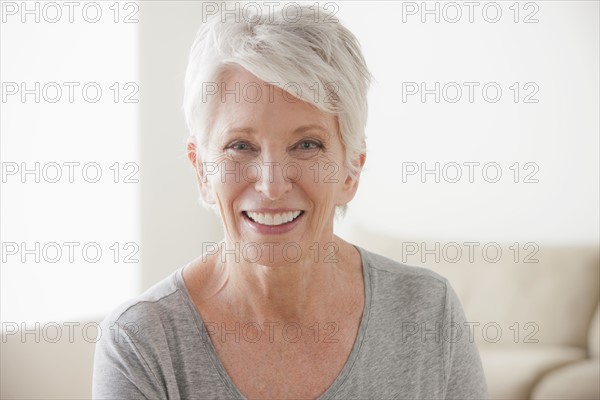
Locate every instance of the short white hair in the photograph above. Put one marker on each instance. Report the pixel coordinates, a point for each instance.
(302, 47)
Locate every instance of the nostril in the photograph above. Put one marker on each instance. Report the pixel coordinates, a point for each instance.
(271, 183)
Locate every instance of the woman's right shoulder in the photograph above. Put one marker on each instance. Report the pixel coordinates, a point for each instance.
(149, 308)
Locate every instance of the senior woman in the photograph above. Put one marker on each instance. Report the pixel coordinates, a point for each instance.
(283, 308)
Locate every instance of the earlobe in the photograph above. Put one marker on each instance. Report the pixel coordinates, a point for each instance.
(203, 184)
(351, 182)
(193, 157)
(191, 149)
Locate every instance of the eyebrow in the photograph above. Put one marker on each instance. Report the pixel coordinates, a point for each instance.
(249, 131)
(300, 130)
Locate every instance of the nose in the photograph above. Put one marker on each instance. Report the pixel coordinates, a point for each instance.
(272, 181)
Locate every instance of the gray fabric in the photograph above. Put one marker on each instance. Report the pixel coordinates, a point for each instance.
(408, 345)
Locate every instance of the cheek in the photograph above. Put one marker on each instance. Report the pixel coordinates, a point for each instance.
(323, 181)
(227, 182)
(226, 193)
(232, 173)
(317, 180)
(323, 173)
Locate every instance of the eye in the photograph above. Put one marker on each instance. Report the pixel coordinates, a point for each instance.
(239, 146)
(239, 150)
(309, 145)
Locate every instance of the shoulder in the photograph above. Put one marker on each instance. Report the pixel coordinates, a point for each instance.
(405, 288)
(132, 356)
(161, 301)
(398, 273)
(417, 325)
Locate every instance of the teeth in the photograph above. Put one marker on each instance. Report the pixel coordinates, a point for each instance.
(273, 219)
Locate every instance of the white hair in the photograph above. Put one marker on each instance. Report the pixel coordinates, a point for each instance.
(300, 50)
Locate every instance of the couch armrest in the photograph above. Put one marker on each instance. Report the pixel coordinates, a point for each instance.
(578, 380)
(594, 335)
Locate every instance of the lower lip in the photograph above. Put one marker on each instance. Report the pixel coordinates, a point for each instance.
(272, 229)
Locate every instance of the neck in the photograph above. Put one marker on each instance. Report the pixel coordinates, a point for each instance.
(292, 292)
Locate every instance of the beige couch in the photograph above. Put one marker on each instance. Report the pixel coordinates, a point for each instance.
(538, 329)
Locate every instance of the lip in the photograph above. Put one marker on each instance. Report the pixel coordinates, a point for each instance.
(272, 229)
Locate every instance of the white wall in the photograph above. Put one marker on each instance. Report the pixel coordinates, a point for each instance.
(174, 225)
(87, 131)
(48, 292)
(559, 133)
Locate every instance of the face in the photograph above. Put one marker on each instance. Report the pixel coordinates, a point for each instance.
(274, 166)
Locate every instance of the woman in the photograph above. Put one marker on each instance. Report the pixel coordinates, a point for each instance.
(283, 308)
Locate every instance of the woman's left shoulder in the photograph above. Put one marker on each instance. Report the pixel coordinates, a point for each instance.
(392, 274)
(385, 264)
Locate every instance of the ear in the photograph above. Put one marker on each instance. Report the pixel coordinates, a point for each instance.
(351, 182)
(203, 183)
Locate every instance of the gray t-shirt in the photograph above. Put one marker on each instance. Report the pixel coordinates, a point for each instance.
(412, 343)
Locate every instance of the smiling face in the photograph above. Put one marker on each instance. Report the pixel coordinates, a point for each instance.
(274, 166)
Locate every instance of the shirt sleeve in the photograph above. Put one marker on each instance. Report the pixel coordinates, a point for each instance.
(120, 371)
(464, 378)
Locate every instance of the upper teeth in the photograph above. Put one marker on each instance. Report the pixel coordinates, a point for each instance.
(273, 219)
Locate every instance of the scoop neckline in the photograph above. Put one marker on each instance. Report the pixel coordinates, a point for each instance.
(348, 365)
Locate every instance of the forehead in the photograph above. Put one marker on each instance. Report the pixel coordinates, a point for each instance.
(244, 101)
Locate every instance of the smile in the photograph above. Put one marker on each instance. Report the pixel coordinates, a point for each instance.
(273, 219)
